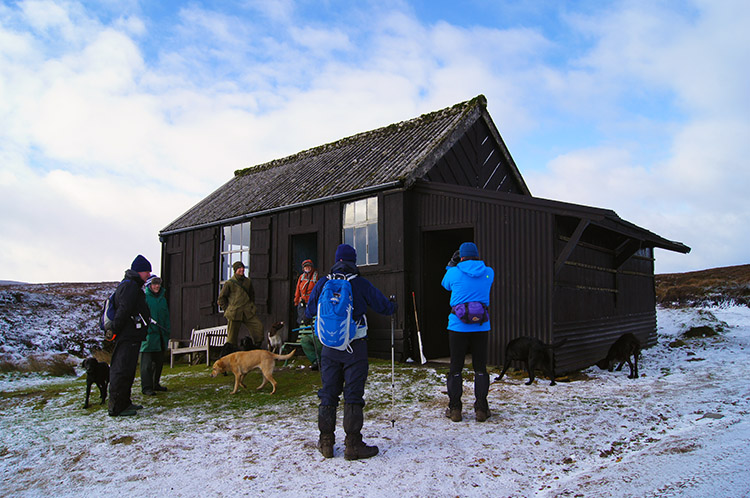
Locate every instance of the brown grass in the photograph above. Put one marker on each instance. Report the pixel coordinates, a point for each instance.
(715, 286)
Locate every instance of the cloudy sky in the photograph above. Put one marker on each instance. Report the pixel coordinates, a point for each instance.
(116, 116)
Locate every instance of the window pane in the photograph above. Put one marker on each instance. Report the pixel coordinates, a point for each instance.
(236, 237)
(348, 214)
(360, 211)
(349, 236)
(227, 238)
(226, 268)
(360, 244)
(372, 244)
(372, 209)
(246, 235)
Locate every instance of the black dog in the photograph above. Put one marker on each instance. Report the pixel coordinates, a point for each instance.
(533, 353)
(625, 346)
(246, 344)
(96, 373)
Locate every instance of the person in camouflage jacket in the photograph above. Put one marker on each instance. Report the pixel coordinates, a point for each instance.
(237, 299)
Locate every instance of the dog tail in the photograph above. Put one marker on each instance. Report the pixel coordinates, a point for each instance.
(285, 356)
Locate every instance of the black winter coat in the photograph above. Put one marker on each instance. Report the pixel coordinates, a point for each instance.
(130, 302)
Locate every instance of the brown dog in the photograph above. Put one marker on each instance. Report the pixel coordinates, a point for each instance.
(241, 362)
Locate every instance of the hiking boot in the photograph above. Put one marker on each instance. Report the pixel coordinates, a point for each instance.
(327, 427)
(356, 449)
(454, 414)
(134, 407)
(353, 421)
(160, 388)
(482, 415)
(125, 413)
(325, 445)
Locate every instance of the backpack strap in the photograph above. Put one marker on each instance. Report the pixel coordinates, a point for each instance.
(341, 276)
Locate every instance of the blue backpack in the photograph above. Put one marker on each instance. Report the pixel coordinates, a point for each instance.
(335, 325)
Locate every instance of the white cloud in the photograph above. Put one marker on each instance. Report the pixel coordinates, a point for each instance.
(94, 125)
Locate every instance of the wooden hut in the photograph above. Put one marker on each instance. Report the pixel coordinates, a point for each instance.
(406, 196)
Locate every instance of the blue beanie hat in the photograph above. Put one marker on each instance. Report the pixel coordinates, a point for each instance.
(346, 252)
(140, 264)
(468, 250)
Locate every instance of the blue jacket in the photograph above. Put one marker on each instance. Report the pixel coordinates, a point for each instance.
(470, 280)
(363, 292)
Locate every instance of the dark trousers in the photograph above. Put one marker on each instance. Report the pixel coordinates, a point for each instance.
(151, 367)
(462, 343)
(345, 372)
(122, 374)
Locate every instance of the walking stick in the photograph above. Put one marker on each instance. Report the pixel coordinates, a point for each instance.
(419, 334)
(393, 373)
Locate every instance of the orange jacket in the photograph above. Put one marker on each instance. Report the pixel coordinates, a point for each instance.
(305, 284)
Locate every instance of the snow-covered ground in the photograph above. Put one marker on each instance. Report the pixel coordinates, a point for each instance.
(681, 429)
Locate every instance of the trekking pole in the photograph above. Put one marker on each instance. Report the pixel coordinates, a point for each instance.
(393, 372)
(422, 359)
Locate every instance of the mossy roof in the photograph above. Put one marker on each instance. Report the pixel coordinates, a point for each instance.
(397, 154)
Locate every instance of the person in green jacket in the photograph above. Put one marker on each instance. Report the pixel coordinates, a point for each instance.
(157, 338)
(237, 299)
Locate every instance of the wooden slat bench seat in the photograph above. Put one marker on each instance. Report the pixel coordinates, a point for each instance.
(201, 341)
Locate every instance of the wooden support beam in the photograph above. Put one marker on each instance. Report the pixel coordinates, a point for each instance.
(625, 251)
(571, 245)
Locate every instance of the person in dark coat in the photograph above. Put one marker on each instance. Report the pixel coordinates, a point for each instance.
(346, 371)
(132, 317)
(469, 280)
(157, 338)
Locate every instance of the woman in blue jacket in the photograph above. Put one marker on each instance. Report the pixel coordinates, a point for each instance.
(469, 280)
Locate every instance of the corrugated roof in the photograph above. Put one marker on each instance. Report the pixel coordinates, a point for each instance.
(386, 156)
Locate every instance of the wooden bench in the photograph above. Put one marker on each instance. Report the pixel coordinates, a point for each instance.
(201, 341)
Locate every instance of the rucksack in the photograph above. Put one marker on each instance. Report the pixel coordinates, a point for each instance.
(335, 324)
(107, 317)
(472, 312)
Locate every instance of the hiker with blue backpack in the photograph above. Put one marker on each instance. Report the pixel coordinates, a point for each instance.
(339, 302)
(469, 281)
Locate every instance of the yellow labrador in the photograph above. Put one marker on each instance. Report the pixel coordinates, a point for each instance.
(241, 362)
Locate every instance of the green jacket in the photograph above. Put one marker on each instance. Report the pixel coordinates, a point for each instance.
(237, 298)
(157, 335)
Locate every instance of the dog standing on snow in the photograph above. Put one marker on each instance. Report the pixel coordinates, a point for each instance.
(622, 349)
(533, 353)
(96, 373)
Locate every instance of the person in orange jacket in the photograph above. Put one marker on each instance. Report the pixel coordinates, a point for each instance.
(305, 284)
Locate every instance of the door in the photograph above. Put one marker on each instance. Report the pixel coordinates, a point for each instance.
(437, 248)
(304, 246)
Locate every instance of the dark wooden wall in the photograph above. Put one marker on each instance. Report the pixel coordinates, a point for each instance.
(191, 268)
(513, 240)
(595, 301)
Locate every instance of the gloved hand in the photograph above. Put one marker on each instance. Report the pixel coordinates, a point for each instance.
(455, 259)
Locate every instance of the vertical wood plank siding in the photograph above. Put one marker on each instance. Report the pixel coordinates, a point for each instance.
(510, 240)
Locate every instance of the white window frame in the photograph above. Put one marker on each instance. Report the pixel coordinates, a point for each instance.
(360, 229)
(235, 246)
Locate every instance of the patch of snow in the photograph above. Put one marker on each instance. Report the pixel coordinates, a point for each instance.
(606, 436)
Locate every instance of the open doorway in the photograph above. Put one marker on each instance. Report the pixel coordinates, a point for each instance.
(437, 248)
(304, 246)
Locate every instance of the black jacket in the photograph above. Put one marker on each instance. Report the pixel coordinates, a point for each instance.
(130, 306)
